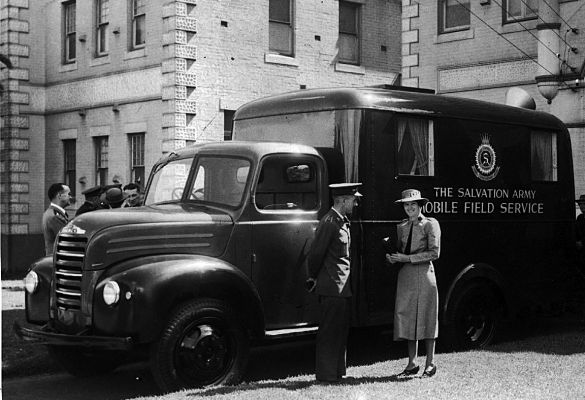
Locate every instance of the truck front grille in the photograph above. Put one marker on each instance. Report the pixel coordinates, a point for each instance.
(69, 270)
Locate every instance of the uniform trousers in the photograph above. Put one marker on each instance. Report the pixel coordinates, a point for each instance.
(332, 337)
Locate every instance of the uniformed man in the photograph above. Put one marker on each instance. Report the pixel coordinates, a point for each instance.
(55, 217)
(329, 268)
(92, 199)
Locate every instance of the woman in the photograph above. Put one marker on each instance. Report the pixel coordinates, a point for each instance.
(417, 298)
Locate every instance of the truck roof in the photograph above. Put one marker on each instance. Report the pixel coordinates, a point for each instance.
(251, 150)
(394, 99)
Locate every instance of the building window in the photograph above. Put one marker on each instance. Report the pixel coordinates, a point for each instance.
(518, 10)
(415, 149)
(543, 155)
(349, 33)
(69, 33)
(101, 160)
(69, 159)
(101, 38)
(454, 15)
(228, 116)
(280, 21)
(138, 23)
(137, 158)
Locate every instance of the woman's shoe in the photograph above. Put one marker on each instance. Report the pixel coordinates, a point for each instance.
(412, 371)
(429, 371)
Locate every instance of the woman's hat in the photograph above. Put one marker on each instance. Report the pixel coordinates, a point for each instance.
(411, 195)
(581, 199)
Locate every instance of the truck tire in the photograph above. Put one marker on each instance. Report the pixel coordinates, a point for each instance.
(82, 363)
(473, 317)
(203, 344)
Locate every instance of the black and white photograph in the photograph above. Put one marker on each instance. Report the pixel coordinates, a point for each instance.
(292, 199)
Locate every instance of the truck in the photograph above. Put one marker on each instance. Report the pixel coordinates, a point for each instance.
(215, 260)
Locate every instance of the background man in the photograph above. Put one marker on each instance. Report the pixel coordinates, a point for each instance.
(92, 199)
(132, 195)
(329, 268)
(55, 217)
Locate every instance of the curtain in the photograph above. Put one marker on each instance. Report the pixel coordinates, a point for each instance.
(419, 131)
(347, 139)
(541, 151)
(413, 150)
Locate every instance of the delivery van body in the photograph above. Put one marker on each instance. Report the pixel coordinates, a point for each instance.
(499, 180)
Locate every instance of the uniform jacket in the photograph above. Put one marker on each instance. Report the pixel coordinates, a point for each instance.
(328, 259)
(426, 239)
(53, 220)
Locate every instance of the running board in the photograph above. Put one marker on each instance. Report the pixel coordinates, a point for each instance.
(279, 333)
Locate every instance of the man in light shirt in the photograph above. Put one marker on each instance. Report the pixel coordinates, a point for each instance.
(55, 217)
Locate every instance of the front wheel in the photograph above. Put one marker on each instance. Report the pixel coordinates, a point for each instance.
(202, 345)
(473, 318)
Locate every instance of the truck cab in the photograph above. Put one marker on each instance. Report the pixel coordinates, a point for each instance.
(214, 259)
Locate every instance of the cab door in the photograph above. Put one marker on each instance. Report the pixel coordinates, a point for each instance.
(286, 204)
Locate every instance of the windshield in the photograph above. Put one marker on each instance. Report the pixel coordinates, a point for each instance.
(217, 180)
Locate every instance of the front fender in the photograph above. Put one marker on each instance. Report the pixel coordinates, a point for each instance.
(37, 303)
(151, 287)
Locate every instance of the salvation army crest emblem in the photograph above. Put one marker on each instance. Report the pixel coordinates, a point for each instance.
(485, 167)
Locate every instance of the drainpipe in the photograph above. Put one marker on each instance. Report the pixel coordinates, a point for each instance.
(549, 68)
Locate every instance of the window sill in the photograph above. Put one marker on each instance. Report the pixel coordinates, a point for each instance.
(135, 54)
(352, 69)
(100, 61)
(68, 67)
(278, 59)
(455, 36)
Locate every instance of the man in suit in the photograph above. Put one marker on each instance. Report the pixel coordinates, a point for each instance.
(132, 195)
(55, 217)
(329, 269)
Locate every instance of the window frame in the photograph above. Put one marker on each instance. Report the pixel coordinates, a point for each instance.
(101, 159)
(69, 26)
(357, 7)
(101, 27)
(69, 163)
(553, 171)
(134, 21)
(442, 18)
(507, 18)
(289, 24)
(136, 157)
(228, 124)
(430, 147)
(282, 162)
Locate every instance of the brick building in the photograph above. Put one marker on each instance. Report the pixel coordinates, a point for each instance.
(480, 49)
(99, 89)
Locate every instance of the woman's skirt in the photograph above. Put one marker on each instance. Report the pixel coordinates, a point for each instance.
(417, 303)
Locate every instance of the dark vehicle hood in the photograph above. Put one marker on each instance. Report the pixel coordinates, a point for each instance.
(119, 234)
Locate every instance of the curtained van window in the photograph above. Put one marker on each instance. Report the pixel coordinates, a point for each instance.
(543, 156)
(415, 150)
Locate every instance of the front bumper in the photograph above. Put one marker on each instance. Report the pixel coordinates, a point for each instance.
(44, 336)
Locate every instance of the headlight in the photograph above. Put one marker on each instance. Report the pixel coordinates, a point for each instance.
(111, 293)
(31, 282)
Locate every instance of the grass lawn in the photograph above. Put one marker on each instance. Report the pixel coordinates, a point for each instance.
(542, 359)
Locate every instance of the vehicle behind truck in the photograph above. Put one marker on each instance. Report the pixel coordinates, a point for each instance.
(215, 261)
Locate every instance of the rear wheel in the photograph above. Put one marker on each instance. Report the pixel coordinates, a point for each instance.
(82, 362)
(473, 318)
(202, 345)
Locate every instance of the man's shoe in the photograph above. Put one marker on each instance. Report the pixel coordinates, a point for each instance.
(412, 371)
(429, 371)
